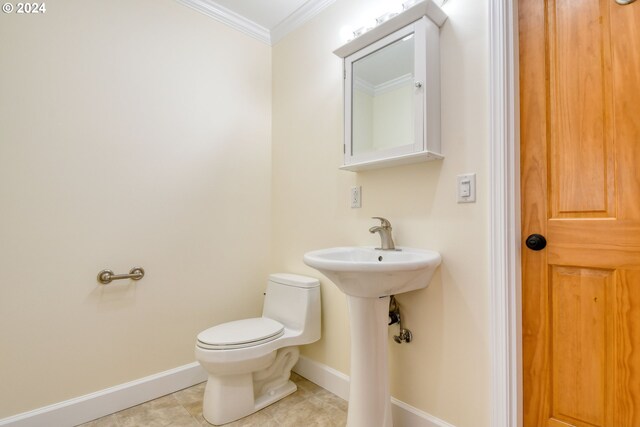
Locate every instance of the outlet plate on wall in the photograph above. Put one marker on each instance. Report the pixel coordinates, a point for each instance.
(355, 196)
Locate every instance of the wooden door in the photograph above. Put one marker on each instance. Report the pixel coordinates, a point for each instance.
(580, 166)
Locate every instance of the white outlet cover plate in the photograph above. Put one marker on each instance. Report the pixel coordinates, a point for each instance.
(355, 196)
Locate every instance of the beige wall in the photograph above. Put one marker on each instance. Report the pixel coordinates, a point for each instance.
(445, 371)
(140, 133)
(131, 133)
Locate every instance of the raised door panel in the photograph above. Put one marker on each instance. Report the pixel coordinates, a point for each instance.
(581, 143)
(581, 338)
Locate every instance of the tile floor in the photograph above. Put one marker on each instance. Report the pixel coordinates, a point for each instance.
(310, 406)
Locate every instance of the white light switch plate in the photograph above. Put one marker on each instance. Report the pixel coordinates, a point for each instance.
(466, 189)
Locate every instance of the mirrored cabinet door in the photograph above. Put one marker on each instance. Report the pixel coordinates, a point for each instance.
(392, 98)
(384, 99)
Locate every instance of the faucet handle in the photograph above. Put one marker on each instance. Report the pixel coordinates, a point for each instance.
(383, 221)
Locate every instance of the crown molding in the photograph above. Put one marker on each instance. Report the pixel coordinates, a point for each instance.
(364, 86)
(384, 87)
(247, 26)
(298, 17)
(393, 84)
(230, 18)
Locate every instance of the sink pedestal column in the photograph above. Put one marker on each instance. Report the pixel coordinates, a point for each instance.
(369, 398)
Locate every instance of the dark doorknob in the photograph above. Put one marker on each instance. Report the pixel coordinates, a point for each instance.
(536, 242)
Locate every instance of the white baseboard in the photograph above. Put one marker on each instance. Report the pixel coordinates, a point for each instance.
(338, 383)
(407, 416)
(104, 402)
(328, 378)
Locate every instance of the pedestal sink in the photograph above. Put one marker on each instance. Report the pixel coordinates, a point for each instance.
(368, 277)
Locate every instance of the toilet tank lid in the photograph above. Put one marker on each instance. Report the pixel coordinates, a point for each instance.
(294, 280)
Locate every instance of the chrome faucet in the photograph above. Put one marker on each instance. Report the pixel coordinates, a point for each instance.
(385, 234)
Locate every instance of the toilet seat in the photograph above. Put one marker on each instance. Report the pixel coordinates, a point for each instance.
(240, 334)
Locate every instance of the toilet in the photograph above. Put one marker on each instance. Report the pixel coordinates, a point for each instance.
(249, 361)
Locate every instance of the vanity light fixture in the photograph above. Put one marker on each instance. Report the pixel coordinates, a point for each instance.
(385, 17)
(346, 34)
(360, 31)
(406, 5)
(372, 23)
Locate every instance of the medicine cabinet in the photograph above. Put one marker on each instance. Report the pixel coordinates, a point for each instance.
(392, 91)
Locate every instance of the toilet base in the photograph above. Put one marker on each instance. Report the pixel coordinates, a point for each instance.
(228, 398)
(282, 392)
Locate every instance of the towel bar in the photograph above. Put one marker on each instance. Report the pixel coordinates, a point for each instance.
(106, 276)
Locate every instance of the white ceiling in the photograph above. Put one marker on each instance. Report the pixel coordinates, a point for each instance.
(266, 20)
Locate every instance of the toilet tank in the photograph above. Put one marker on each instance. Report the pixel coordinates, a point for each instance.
(294, 301)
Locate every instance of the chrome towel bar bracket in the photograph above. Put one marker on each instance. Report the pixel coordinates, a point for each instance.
(106, 276)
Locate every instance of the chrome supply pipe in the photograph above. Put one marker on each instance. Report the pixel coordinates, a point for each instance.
(405, 335)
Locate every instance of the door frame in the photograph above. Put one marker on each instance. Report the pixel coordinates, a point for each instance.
(505, 305)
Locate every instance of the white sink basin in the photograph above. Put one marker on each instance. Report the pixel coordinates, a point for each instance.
(368, 276)
(371, 273)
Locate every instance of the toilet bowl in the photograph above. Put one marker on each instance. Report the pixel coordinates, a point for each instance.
(249, 361)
